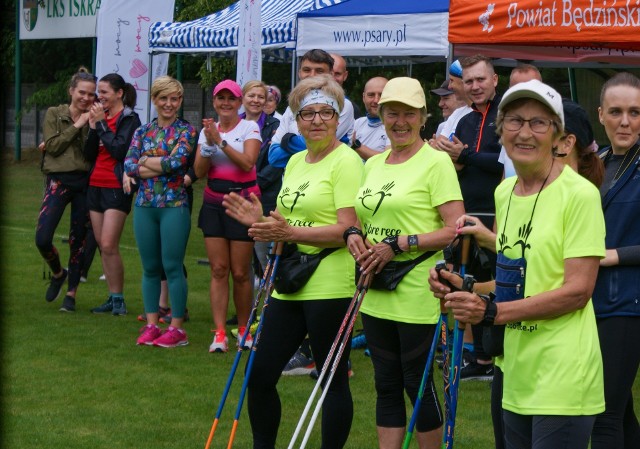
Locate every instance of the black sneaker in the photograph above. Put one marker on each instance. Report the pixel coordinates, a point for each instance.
(68, 304)
(476, 371)
(119, 307)
(106, 307)
(55, 287)
(232, 321)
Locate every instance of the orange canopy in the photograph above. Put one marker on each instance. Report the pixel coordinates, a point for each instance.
(602, 30)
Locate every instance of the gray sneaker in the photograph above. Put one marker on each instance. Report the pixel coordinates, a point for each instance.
(55, 287)
(119, 307)
(68, 304)
(106, 307)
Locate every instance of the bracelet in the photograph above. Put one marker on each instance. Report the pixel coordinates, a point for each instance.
(490, 312)
(392, 241)
(349, 231)
(412, 241)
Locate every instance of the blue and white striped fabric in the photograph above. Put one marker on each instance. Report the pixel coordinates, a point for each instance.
(218, 32)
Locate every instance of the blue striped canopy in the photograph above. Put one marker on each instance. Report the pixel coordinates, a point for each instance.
(218, 32)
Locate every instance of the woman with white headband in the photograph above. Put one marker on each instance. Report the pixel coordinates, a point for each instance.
(314, 208)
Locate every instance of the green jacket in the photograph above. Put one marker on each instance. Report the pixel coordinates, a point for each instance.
(63, 142)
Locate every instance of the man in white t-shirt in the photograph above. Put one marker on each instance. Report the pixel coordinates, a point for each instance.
(448, 103)
(457, 87)
(287, 140)
(369, 136)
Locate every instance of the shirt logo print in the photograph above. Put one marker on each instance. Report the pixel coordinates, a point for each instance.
(373, 201)
(289, 199)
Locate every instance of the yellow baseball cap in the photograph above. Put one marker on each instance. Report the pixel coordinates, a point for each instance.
(404, 90)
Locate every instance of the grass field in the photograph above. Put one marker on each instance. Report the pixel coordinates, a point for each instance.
(73, 381)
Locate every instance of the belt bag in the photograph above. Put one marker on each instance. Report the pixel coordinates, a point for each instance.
(296, 268)
(393, 272)
(226, 186)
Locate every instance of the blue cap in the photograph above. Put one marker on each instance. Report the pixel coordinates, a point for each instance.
(456, 69)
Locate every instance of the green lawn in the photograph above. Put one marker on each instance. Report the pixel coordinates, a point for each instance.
(73, 381)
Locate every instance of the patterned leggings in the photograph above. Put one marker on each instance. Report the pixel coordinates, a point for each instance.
(56, 198)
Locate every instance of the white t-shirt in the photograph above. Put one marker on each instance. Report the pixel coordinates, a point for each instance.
(450, 124)
(374, 137)
(509, 169)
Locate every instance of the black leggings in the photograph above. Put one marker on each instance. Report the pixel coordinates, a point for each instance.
(399, 353)
(56, 198)
(618, 425)
(286, 323)
(547, 431)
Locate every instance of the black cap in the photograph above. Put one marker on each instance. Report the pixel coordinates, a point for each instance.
(576, 122)
(443, 90)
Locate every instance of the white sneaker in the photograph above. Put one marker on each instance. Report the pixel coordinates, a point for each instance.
(220, 342)
(102, 277)
(248, 342)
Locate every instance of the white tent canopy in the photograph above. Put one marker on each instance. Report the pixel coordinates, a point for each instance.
(218, 32)
(386, 30)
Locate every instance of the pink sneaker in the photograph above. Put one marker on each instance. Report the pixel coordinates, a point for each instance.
(220, 342)
(148, 334)
(171, 338)
(248, 342)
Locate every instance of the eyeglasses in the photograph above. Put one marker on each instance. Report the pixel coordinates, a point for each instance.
(325, 114)
(537, 125)
(85, 76)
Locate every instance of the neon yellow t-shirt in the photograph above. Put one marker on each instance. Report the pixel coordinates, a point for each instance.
(310, 196)
(402, 199)
(554, 366)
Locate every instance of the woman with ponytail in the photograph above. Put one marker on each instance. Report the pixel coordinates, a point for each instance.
(112, 122)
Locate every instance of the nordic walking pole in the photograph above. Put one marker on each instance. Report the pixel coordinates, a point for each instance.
(254, 348)
(364, 287)
(423, 385)
(262, 290)
(327, 362)
(458, 337)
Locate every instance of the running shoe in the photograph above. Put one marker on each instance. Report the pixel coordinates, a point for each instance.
(248, 342)
(166, 318)
(68, 304)
(220, 342)
(55, 286)
(252, 328)
(105, 307)
(476, 371)
(299, 365)
(148, 334)
(119, 307)
(171, 338)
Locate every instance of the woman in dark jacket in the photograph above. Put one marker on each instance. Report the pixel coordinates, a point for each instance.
(66, 171)
(112, 123)
(616, 297)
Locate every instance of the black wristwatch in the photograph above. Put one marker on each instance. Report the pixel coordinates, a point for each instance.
(349, 231)
(412, 241)
(356, 144)
(223, 144)
(392, 241)
(490, 312)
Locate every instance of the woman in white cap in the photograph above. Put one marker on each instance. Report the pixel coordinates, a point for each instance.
(227, 154)
(314, 207)
(407, 206)
(550, 238)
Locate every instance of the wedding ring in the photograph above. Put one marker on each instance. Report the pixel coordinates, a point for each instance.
(370, 251)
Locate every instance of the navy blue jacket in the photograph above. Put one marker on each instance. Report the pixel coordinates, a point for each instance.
(617, 290)
(482, 172)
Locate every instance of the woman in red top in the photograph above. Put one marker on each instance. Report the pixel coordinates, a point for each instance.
(112, 122)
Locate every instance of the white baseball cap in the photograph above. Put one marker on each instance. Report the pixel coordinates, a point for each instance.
(536, 90)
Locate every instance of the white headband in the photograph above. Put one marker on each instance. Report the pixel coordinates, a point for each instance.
(317, 96)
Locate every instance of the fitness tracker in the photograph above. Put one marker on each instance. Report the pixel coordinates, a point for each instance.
(412, 241)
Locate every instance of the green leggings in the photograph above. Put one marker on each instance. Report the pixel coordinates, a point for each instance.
(162, 234)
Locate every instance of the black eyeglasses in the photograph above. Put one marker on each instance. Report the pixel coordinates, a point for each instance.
(537, 125)
(325, 114)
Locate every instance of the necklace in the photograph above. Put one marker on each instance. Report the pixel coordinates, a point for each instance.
(622, 170)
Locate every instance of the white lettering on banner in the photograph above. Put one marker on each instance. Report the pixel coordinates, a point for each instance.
(606, 16)
(395, 36)
(589, 16)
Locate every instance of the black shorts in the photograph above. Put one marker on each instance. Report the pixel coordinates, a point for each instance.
(214, 222)
(99, 199)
